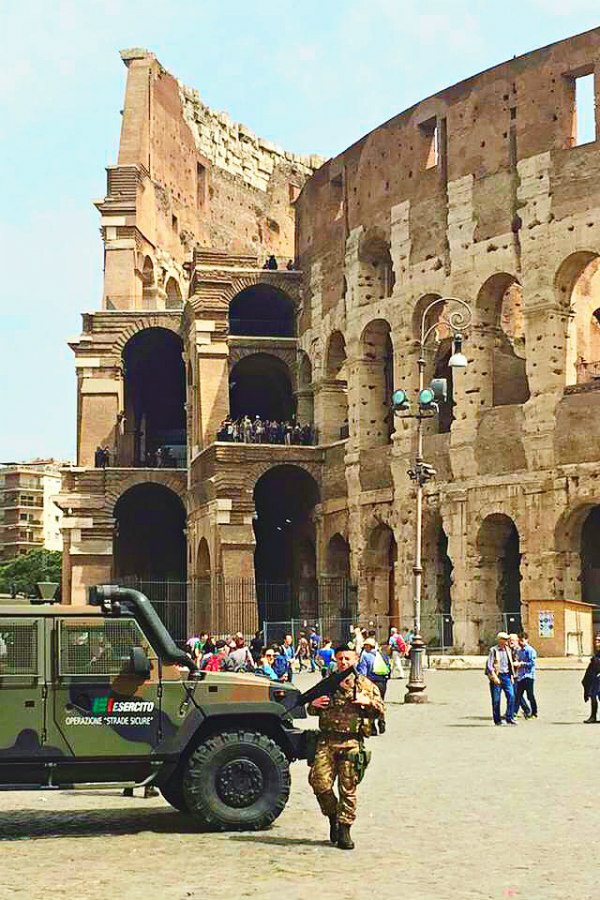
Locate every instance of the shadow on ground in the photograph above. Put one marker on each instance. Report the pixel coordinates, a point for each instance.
(34, 824)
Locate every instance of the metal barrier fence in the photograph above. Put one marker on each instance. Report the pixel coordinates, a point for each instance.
(224, 606)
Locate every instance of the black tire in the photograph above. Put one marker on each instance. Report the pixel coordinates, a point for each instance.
(236, 781)
(172, 791)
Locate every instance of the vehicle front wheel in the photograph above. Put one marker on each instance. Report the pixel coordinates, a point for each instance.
(236, 781)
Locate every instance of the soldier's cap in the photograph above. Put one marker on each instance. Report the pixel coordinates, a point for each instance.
(344, 648)
(502, 635)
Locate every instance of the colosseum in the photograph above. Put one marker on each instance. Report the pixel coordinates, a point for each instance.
(486, 192)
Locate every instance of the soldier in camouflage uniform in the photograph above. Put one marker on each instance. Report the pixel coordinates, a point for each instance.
(344, 721)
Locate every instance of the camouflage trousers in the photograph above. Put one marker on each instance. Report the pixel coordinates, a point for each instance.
(331, 762)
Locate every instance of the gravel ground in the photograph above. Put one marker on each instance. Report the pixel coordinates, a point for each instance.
(451, 808)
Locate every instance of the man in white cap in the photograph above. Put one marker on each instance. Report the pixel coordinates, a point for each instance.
(500, 671)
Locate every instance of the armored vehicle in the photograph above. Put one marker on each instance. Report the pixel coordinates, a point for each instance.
(100, 695)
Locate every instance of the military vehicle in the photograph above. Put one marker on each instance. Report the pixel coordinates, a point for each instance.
(100, 696)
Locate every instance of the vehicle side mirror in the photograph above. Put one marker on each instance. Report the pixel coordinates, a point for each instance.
(139, 664)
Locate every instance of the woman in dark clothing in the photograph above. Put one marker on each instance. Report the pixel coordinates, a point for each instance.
(591, 682)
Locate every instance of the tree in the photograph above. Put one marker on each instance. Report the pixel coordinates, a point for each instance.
(22, 573)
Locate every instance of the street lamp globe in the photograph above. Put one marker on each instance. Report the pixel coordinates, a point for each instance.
(458, 360)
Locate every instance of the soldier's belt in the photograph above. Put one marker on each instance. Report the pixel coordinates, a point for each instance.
(341, 734)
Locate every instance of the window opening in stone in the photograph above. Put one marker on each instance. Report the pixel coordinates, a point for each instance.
(376, 273)
(431, 133)
(284, 560)
(334, 393)
(579, 284)
(584, 114)
(175, 224)
(201, 183)
(304, 393)
(155, 392)
(173, 299)
(148, 284)
(149, 538)
(262, 311)
(260, 385)
(503, 349)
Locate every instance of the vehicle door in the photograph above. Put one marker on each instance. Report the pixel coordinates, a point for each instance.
(23, 689)
(101, 707)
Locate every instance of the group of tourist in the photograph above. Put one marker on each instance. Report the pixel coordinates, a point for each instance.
(510, 669)
(271, 263)
(264, 431)
(161, 458)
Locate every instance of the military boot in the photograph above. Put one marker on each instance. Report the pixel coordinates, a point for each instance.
(333, 829)
(344, 841)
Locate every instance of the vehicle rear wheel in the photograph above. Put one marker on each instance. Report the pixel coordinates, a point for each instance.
(236, 781)
(172, 791)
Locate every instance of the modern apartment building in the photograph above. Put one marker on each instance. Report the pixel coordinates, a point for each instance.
(29, 518)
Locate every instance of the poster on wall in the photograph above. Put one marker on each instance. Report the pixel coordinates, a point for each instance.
(546, 624)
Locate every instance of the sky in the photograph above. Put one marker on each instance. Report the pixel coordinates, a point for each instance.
(311, 76)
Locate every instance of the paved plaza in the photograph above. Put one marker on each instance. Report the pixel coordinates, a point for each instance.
(451, 808)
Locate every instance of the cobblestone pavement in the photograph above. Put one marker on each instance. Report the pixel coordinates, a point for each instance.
(451, 808)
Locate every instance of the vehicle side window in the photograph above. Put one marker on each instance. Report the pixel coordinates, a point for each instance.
(99, 646)
(18, 647)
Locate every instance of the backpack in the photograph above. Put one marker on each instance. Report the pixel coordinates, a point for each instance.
(380, 666)
(213, 664)
(280, 665)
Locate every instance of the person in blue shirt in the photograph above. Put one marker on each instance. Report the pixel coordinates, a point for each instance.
(265, 666)
(525, 677)
(314, 639)
(325, 657)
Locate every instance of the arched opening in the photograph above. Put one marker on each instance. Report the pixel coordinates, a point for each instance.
(500, 574)
(262, 311)
(338, 557)
(335, 411)
(304, 394)
(260, 385)
(578, 283)
(380, 569)
(376, 383)
(502, 324)
(376, 273)
(285, 559)
(436, 622)
(203, 560)
(174, 300)
(148, 283)
(155, 393)
(441, 369)
(590, 561)
(149, 540)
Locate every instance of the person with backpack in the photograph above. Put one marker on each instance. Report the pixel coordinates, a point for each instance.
(398, 651)
(314, 639)
(217, 661)
(375, 665)
(282, 664)
(325, 657)
(241, 656)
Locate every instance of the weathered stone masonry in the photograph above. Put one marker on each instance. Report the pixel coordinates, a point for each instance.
(479, 192)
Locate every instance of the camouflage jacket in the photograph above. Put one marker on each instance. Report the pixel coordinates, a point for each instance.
(343, 716)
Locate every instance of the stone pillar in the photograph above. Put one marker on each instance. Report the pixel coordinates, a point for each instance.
(87, 558)
(331, 408)
(212, 393)
(100, 399)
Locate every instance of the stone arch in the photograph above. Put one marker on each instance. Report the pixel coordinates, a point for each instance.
(116, 487)
(379, 569)
(501, 325)
(256, 471)
(498, 547)
(158, 320)
(304, 390)
(260, 384)
(333, 395)
(285, 497)
(148, 283)
(149, 537)
(376, 277)
(203, 566)
(376, 420)
(577, 545)
(155, 397)
(337, 556)
(262, 310)
(174, 298)
(578, 294)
